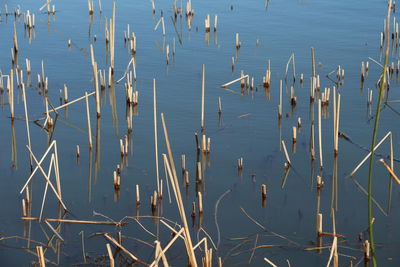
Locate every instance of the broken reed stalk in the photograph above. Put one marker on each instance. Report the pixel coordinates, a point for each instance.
(236, 80)
(199, 172)
(137, 195)
(270, 262)
(74, 221)
(161, 253)
(110, 255)
(112, 37)
(11, 93)
(40, 255)
(369, 154)
(27, 121)
(321, 164)
(56, 192)
(280, 101)
(15, 39)
(378, 112)
(175, 186)
(336, 117)
(155, 133)
(202, 95)
(313, 62)
(72, 102)
(118, 245)
(294, 134)
(390, 170)
(88, 121)
(286, 153)
(319, 224)
(264, 191)
(96, 81)
(200, 199)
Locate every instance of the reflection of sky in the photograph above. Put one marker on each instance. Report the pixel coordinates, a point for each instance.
(342, 33)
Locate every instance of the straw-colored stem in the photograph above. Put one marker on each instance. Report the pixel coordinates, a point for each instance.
(286, 153)
(174, 181)
(202, 95)
(40, 255)
(110, 255)
(236, 80)
(155, 133)
(88, 121)
(27, 122)
(392, 173)
(369, 154)
(321, 164)
(73, 101)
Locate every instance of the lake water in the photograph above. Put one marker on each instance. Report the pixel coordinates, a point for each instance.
(342, 33)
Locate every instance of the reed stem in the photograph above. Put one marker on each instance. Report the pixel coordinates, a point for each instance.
(371, 161)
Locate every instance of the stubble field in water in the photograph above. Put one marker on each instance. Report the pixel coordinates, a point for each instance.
(240, 227)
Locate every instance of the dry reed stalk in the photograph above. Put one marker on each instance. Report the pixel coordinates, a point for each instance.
(56, 192)
(215, 22)
(270, 262)
(367, 250)
(153, 201)
(200, 199)
(73, 101)
(96, 81)
(280, 101)
(219, 106)
(337, 126)
(155, 133)
(320, 183)
(88, 121)
(294, 134)
(118, 245)
(40, 255)
(112, 41)
(392, 173)
(11, 93)
(264, 191)
(47, 185)
(238, 43)
(74, 221)
(183, 163)
(15, 39)
(27, 121)
(137, 195)
(286, 153)
(193, 211)
(236, 80)
(319, 224)
(321, 164)
(207, 23)
(170, 243)
(202, 95)
(174, 182)
(110, 255)
(369, 154)
(313, 62)
(187, 178)
(199, 172)
(37, 167)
